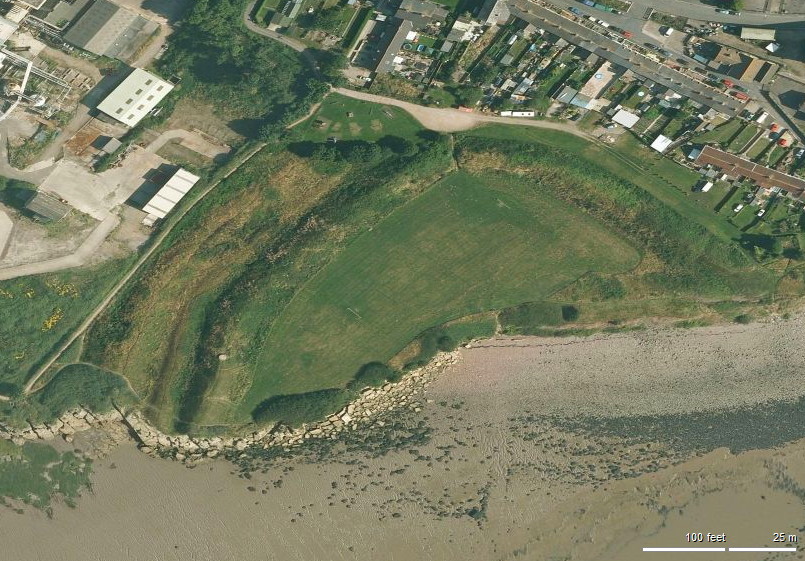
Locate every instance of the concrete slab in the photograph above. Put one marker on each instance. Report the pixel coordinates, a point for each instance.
(98, 194)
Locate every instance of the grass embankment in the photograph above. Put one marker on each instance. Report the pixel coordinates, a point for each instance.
(37, 312)
(307, 264)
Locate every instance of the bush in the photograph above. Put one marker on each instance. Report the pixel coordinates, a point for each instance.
(82, 385)
(373, 374)
(570, 313)
(743, 318)
(296, 409)
(431, 342)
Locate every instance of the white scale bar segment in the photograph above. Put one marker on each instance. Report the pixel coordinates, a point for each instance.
(684, 549)
(763, 549)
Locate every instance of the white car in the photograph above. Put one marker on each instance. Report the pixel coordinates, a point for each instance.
(738, 208)
(761, 212)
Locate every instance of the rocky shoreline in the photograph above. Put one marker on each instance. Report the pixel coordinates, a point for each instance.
(362, 412)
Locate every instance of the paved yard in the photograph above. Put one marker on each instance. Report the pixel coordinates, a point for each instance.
(98, 194)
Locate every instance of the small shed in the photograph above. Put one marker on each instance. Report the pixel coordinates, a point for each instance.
(661, 143)
(47, 207)
(111, 145)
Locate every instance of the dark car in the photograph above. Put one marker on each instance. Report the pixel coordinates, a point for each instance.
(667, 54)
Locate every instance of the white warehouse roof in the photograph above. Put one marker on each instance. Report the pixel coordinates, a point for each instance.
(625, 118)
(171, 193)
(661, 143)
(139, 93)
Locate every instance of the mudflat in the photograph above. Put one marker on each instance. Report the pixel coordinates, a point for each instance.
(587, 448)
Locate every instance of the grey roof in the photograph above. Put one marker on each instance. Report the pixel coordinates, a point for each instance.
(494, 12)
(104, 28)
(111, 145)
(386, 63)
(47, 207)
(566, 95)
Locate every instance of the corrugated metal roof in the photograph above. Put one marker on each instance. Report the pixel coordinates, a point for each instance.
(47, 207)
(171, 193)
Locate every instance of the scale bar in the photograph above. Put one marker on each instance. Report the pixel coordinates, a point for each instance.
(763, 549)
(684, 549)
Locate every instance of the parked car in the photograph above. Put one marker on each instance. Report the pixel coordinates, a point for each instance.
(666, 54)
(575, 10)
(627, 34)
(761, 212)
(740, 88)
(666, 30)
(738, 208)
(722, 11)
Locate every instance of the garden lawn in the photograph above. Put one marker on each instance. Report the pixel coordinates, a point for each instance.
(470, 243)
(369, 121)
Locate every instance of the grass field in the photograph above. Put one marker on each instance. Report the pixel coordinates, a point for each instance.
(722, 134)
(369, 121)
(471, 243)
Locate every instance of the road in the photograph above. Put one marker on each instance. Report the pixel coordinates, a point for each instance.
(70, 339)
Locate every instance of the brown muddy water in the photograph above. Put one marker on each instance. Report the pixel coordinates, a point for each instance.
(577, 449)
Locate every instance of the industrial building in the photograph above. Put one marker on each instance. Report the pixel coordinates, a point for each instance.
(104, 28)
(132, 100)
(169, 195)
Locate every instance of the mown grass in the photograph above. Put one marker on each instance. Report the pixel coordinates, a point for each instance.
(369, 121)
(470, 243)
(302, 278)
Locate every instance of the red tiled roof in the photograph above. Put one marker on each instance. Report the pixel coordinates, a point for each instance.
(740, 167)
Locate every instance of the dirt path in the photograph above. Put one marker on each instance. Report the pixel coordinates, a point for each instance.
(453, 120)
(128, 276)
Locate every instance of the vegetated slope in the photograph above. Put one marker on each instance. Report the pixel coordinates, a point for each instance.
(310, 263)
(471, 243)
(37, 311)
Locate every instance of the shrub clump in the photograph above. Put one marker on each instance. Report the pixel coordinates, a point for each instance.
(373, 374)
(296, 409)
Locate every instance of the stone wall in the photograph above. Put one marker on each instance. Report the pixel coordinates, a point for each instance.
(360, 412)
